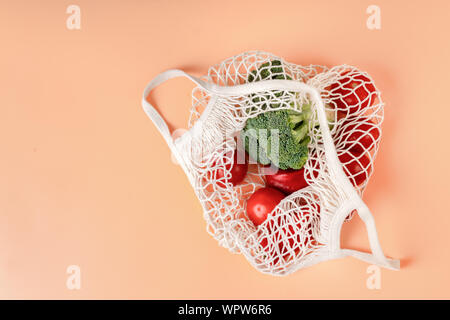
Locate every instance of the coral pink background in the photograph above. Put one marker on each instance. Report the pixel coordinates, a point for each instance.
(86, 179)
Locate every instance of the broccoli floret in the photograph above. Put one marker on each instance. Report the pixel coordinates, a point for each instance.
(268, 71)
(288, 150)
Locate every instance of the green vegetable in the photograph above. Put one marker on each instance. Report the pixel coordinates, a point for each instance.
(268, 71)
(281, 138)
(278, 137)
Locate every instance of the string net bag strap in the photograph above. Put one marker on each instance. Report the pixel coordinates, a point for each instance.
(354, 201)
(157, 118)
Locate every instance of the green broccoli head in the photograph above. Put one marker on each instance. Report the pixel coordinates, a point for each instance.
(278, 137)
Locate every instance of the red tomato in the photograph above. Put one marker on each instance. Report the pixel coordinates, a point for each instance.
(238, 170)
(355, 166)
(360, 137)
(287, 181)
(261, 203)
(352, 92)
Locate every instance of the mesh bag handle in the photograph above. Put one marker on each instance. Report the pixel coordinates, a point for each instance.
(152, 113)
(157, 118)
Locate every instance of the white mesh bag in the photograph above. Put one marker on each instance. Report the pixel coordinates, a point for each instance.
(304, 228)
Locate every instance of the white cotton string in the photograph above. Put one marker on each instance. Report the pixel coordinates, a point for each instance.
(304, 228)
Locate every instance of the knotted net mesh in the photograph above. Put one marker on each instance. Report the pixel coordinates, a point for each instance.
(296, 233)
